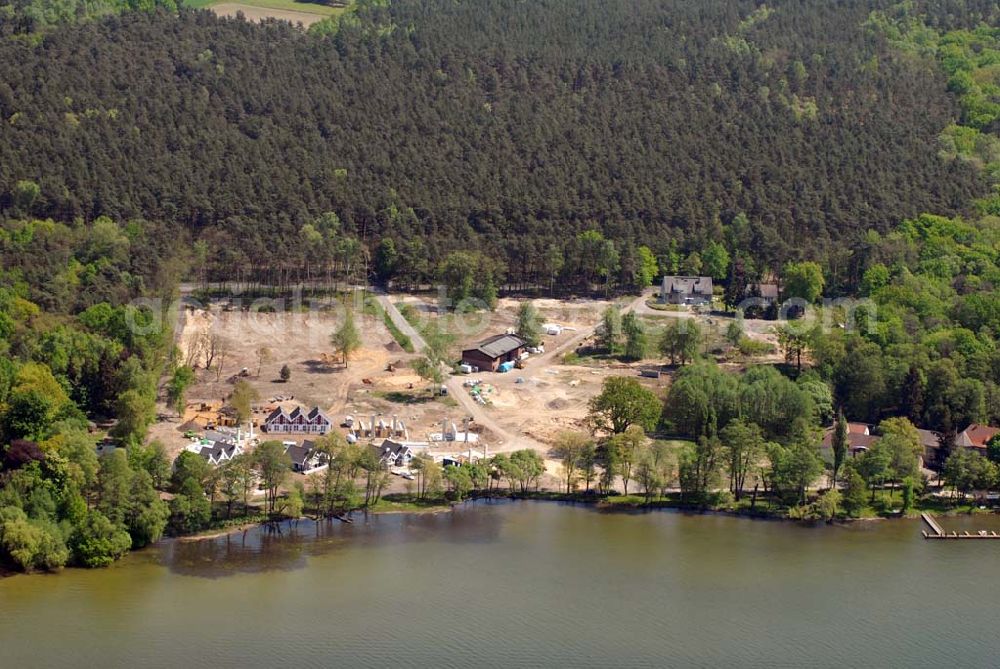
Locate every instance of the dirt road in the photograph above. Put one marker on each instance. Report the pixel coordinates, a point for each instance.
(504, 439)
(551, 354)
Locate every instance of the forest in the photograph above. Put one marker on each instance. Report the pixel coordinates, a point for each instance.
(498, 126)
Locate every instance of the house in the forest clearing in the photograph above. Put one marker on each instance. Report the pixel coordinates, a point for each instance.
(768, 292)
(930, 446)
(976, 436)
(859, 438)
(686, 290)
(305, 458)
(297, 421)
(491, 353)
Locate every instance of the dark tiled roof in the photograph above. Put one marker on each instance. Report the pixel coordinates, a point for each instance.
(688, 285)
(279, 411)
(499, 345)
(296, 412)
(929, 438)
(217, 450)
(301, 454)
(390, 449)
(317, 412)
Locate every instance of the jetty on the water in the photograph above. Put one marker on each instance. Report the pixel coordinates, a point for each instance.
(939, 533)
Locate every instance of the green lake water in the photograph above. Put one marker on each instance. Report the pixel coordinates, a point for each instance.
(523, 584)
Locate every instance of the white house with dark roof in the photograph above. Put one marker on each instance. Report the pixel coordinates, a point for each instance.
(297, 421)
(216, 448)
(305, 458)
(393, 453)
(686, 290)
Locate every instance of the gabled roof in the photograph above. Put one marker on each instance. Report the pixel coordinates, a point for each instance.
(274, 415)
(219, 451)
(499, 345)
(298, 453)
(929, 438)
(859, 437)
(313, 414)
(301, 454)
(688, 285)
(768, 290)
(316, 412)
(976, 436)
(390, 449)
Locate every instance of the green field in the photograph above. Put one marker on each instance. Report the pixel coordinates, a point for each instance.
(281, 5)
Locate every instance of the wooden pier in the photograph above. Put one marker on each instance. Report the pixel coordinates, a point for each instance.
(939, 533)
(933, 524)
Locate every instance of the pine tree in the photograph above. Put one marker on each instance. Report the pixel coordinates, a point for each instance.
(736, 284)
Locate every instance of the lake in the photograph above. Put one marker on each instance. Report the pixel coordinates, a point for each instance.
(522, 584)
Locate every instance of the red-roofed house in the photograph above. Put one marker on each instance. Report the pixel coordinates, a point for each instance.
(976, 436)
(859, 438)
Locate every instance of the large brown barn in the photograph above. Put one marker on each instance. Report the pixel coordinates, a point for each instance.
(490, 353)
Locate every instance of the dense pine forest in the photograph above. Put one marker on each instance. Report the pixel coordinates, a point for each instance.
(500, 126)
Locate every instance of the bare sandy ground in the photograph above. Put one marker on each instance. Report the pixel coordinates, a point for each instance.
(261, 13)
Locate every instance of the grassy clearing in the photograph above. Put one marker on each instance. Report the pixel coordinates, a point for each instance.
(375, 309)
(654, 303)
(591, 357)
(282, 5)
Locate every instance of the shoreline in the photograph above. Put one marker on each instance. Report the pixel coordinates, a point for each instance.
(594, 503)
(251, 525)
(597, 504)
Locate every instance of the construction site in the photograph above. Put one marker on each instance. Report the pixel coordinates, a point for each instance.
(377, 394)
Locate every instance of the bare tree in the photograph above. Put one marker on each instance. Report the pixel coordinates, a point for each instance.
(219, 347)
(263, 356)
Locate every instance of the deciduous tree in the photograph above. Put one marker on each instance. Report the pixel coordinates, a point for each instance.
(624, 401)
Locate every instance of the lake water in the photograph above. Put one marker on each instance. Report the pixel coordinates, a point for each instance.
(522, 584)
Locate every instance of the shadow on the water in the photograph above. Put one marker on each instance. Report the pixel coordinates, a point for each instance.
(288, 546)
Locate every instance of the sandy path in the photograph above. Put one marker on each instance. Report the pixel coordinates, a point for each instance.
(401, 322)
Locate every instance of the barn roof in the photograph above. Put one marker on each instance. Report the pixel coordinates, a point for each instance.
(499, 345)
